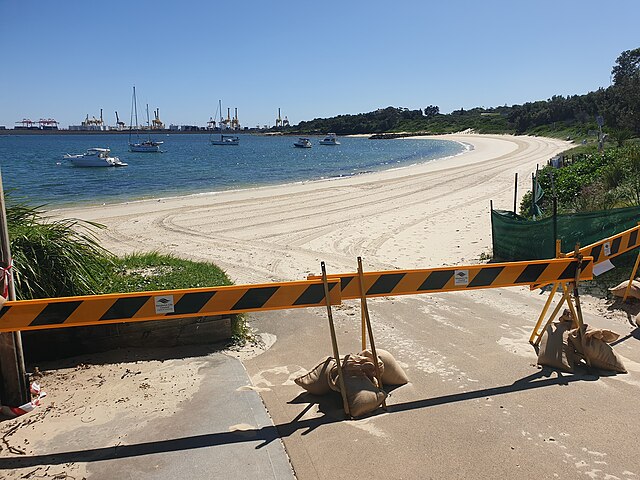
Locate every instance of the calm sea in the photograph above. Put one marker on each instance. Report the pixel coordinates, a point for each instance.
(33, 168)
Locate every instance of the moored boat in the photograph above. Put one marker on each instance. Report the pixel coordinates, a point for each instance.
(330, 139)
(302, 143)
(146, 146)
(95, 157)
(226, 140)
(223, 139)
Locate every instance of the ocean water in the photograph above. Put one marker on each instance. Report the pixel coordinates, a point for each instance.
(34, 171)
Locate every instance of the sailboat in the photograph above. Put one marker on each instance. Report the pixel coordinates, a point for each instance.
(146, 146)
(224, 139)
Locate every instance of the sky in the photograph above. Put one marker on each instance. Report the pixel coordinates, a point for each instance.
(66, 59)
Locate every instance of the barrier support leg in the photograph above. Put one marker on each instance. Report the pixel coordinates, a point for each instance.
(365, 311)
(567, 292)
(547, 304)
(334, 341)
(565, 298)
(633, 275)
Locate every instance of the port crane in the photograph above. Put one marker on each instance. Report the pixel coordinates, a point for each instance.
(235, 123)
(156, 122)
(48, 124)
(119, 123)
(280, 122)
(93, 121)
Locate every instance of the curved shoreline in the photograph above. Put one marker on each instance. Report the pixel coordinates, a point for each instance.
(422, 215)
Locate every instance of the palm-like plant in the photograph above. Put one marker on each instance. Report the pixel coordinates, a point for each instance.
(54, 258)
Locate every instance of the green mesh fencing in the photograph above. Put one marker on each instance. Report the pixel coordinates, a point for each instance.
(516, 238)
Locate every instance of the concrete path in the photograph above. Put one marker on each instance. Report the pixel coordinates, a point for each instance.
(223, 432)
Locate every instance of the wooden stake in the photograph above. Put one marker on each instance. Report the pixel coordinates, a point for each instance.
(13, 378)
(576, 298)
(365, 310)
(576, 294)
(363, 326)
(515, 194)
(334, 341)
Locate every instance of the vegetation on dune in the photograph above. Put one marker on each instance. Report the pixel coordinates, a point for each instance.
(61, 258)
(54, 258)
(153, 271)
(590, 181)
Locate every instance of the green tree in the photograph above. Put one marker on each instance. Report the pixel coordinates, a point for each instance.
(627, 66)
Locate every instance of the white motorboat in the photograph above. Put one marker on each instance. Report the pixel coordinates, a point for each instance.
(330, 139)
(95, 157)
(302, 143)
(148, 145)
(226, 140)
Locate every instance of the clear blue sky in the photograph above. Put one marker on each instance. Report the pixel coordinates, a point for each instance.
(65, 59)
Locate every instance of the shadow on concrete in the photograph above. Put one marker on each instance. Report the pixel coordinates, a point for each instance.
(633, 334)
(132, 354)
(329, 405)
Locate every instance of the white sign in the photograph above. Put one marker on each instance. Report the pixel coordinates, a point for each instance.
(607, 249)
(600, 268)
(461, 277)
(164, 304)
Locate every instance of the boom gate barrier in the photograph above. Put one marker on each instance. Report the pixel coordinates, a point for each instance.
(170, 304)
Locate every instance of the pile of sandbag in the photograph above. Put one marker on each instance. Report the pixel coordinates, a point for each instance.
(563, 347)
(363, 393)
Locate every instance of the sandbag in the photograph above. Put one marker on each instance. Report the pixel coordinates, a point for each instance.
(362, 395)
(393, 373)
(556, 350)
(316, 381)
(619, 290)
(598, 353)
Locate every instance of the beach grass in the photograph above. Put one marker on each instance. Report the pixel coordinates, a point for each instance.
(154, 271)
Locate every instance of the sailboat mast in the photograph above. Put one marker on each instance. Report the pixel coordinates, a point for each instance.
(148, 124)
(134, 112)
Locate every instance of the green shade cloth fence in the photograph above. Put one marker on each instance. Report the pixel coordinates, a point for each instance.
(517, 238)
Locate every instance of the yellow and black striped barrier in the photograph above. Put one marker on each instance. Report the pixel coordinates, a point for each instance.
(142, 306)
(605, 249)
(611, 247)
(472, 277)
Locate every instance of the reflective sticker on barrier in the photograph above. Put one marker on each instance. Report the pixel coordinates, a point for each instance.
(164, 304)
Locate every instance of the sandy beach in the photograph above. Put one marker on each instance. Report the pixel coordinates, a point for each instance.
(477, 405)
(420, 216)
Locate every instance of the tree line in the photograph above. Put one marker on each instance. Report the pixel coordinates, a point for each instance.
(618, 104)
